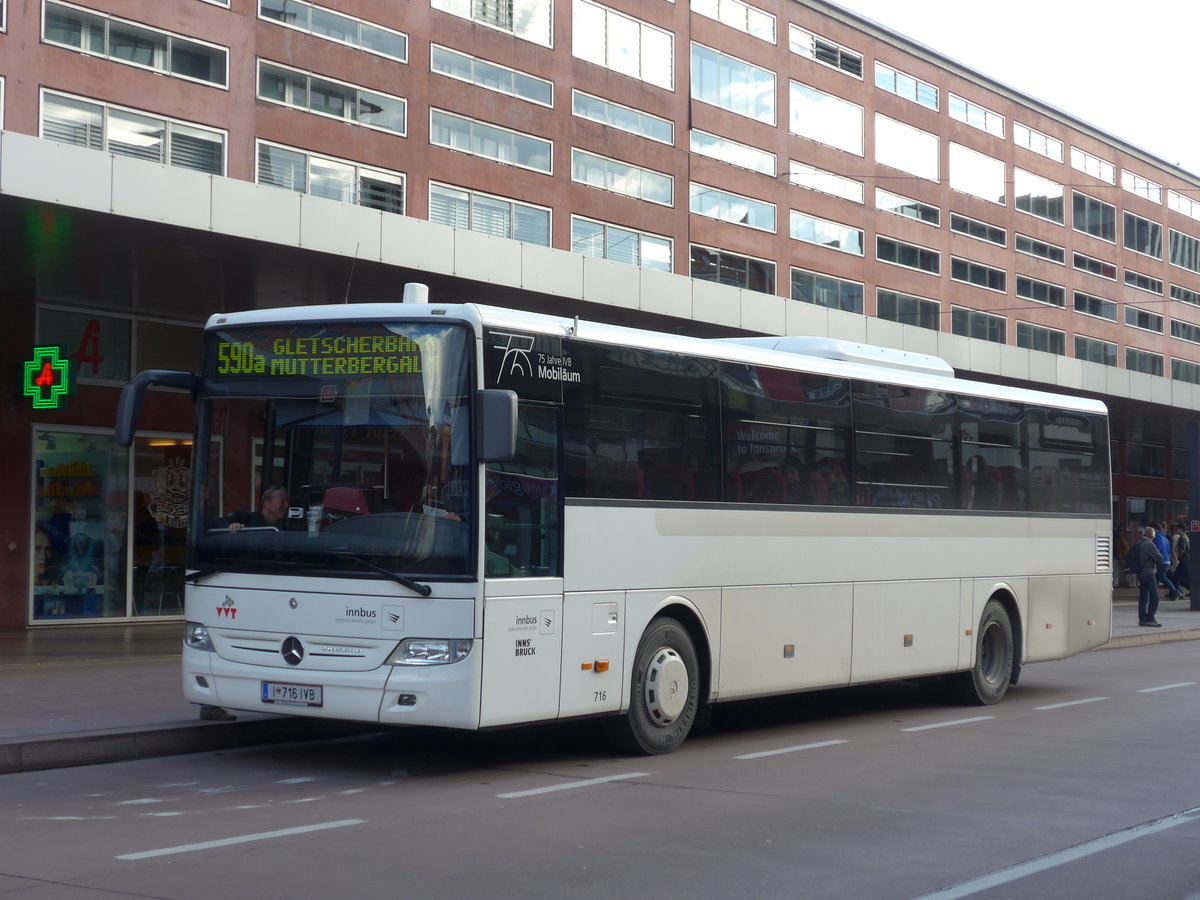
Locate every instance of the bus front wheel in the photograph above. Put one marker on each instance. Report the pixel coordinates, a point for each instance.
(988, 680)
(665, 692)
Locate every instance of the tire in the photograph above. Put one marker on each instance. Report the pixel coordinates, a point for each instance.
(988, 680)
(664, 695)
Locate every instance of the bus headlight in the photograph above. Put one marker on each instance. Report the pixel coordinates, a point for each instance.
(430, 652)
(196, 636)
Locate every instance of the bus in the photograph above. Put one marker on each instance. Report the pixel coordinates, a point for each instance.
(488, 517)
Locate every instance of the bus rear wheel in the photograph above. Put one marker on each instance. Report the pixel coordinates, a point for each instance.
(987, 681)
(665, 692)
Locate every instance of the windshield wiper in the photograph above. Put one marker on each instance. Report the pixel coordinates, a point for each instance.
(423, 589)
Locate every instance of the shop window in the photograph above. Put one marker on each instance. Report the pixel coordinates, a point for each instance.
(79, 526)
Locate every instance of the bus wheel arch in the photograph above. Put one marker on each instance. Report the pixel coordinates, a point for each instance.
(669, 678)
(991, 673)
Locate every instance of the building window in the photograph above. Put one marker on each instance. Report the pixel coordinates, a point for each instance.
(334, 179)
(1094, 217)
(976, 116)
(127, 42)
(729, 151)
(1143, 236)
(1184, 295)
(1145, 460)
(739, 15)
(624, 118)
(1096, 351)
(896, 82)
(1038, 196)
(1143, 361)
(908, 149)
(981, 231)
(334, 26)
(1093, 165)
(1042, 250)
(334, 99)
(488, 214)
(489, 141)
(1143, 282)
(826, 119)
(1095, 306)
(1143, 319)
(1037, 337)
(728, 268)
(1142, 187)
(605, 241)
(819, 49)
(806, 176)
(732, 84)
(622, 178)
(827, 291)
(732, 208)
(1185, 370)
(1024, 136)
(977, 174)
(1095, 266)
(907, 309)
(529, 20)
(125, 132)
(623, 44)
(1041, 291)
(824, 233)
(910, 256)
(1185, 331)
(1186, 205)
(971, 272)
(907, 208)
(1185, 251)
(491, 76)
(975, 324)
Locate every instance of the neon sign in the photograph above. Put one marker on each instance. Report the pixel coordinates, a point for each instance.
(48, 379)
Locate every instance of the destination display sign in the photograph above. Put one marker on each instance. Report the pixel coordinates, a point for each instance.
(275, 353)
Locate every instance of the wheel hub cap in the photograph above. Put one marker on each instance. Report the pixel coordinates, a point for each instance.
(667, 686)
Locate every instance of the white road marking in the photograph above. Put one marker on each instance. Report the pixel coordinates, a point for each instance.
(948, 724)
(571, 785)
(1072, 703)
(240, 839)
(1166, 687)
(783, 750)
(1070, 854)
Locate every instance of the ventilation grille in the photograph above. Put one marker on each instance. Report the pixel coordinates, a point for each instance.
(1104, 553)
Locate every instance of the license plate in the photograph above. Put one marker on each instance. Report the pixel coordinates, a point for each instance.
(291, 694)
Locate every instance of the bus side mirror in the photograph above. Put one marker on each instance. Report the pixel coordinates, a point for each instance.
(496, 434)
(130, 405)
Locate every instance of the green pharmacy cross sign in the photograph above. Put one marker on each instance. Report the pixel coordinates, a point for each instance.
(47, 378)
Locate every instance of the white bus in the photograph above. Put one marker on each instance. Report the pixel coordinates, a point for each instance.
(491, 517)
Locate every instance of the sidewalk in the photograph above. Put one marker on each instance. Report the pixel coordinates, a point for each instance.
(86, 695)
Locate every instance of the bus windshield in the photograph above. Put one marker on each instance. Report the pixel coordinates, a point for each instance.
(368, 471)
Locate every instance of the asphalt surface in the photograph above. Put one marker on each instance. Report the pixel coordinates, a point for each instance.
(73, 696)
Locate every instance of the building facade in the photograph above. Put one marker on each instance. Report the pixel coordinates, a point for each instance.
(709, 167)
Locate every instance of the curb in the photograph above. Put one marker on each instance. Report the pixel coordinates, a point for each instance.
(95, 748)
(1153, 637)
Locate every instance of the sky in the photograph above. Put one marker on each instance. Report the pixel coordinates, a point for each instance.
(1128, 69)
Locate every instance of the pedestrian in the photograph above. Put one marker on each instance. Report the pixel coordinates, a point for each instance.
(1150, 558)
(1123, 544)
(1163, 543)
(1181, 552)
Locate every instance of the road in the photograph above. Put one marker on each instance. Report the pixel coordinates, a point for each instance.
(1085, 781)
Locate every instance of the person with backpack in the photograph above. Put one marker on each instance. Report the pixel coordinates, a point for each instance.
(1149, 560)
(1181, 551)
